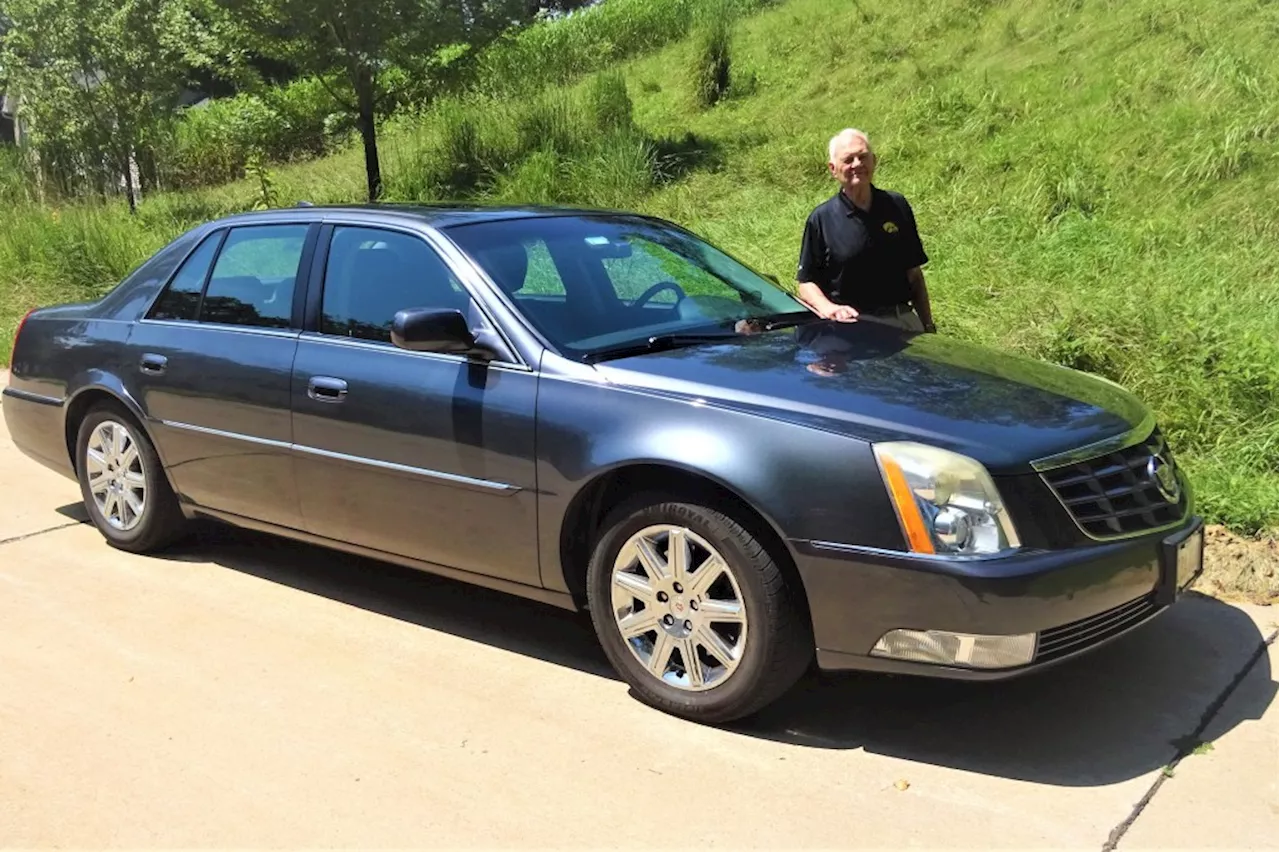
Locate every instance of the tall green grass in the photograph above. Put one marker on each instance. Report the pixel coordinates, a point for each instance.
(594, 38)
(1095, 181)
(16, 178)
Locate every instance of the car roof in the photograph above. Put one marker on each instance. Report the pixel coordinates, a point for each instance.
(435, 215)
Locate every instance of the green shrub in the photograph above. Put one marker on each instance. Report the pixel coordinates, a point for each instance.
(211, 143)
(710, 70)
(609, 103)
(555, 121)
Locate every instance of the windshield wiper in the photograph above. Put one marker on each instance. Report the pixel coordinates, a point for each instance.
(657, 343)
(777, 321)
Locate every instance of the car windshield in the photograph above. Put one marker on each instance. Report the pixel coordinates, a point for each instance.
(595, 285)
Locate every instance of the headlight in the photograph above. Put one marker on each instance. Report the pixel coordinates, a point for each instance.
(946, 502)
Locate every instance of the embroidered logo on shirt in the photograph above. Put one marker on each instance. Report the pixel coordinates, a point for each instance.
(890, 228)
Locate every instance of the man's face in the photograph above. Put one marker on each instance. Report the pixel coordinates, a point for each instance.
(854, 163)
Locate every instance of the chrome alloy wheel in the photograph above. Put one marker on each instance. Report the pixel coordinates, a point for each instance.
(117, 480)
(678, 607)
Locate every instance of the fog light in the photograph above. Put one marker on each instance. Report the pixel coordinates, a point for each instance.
(957, 649)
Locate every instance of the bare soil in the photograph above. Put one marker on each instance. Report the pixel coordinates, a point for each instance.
(1239, 569)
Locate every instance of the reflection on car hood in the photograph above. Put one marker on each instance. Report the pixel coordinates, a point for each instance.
(871, 381)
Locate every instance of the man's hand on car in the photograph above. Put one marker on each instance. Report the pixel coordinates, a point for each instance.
(841, 313)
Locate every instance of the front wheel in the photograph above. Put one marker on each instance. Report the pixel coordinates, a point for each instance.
(694, 613)
(122, 483)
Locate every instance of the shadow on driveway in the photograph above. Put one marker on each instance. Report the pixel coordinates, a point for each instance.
(1113, 715)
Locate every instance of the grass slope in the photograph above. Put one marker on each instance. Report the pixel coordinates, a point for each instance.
(1095, 181)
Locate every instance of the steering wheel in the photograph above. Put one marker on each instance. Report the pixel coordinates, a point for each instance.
(655, 289)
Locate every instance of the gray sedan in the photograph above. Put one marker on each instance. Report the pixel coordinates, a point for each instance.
(605, 412)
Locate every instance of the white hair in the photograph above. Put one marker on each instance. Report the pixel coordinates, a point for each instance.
(846, 135)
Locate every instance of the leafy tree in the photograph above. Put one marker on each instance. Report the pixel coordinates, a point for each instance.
(95, 77)
(369, 51)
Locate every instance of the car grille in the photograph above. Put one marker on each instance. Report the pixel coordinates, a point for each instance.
(1113, 495)
(1078, 635)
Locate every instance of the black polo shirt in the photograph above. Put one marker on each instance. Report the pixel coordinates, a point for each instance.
(861, 257)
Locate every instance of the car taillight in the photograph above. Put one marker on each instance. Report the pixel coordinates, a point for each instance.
(18, 332)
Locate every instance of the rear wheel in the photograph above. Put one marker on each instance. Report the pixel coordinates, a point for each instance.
(693, 611)
(123, 485)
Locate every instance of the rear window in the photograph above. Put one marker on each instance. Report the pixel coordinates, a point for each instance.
(181, 300)
(254, 277)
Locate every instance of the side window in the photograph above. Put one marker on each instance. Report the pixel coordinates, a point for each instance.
(181, 299)
(253, 280)
(373, 273)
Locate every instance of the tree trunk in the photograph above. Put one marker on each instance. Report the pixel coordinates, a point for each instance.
(364, 96)
(129, 184)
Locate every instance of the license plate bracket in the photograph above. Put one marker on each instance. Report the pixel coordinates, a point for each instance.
(1181, 562)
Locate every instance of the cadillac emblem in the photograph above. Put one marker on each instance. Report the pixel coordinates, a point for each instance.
(1161, 473)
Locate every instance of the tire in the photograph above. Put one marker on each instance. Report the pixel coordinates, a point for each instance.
(113, 512)
(768, 641)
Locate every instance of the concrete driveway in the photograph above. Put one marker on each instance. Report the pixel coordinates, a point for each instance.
(242, 691)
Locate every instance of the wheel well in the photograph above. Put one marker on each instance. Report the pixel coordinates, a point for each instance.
(594, 503)
(78, 410)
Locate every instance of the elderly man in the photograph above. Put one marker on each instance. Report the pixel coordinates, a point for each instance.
(860, 255)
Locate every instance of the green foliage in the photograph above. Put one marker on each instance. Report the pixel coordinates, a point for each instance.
(710, 70)
(211, 144)
(591, 39)
(550, 145)
(363, 48)
(261, 175)
(95, 79)
(17, 179)
(609, 103)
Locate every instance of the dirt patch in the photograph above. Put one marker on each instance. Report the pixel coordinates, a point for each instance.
(1239, 569)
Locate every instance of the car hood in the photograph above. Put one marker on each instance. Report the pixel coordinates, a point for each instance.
(873, 382)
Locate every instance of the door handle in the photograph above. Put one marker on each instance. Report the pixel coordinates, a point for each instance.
(326, 389)
(153, 364)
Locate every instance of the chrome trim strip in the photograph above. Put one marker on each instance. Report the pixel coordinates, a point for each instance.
(291, 333)
(28, 396)
(941, 558)
(404, 468)
(1135, 435)
(452, 478)
(374, 346)
(234, 436)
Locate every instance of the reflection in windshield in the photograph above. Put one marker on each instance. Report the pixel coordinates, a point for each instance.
(594, 284)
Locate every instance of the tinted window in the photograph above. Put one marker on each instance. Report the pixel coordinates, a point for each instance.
(371, 274)
(623, 279)
(253, 280)
(181, 299)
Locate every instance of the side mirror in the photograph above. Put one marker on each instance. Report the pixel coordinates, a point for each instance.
(435, 330)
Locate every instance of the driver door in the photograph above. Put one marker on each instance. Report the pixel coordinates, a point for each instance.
(417, 454)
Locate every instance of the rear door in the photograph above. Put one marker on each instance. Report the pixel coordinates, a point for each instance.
(214, 365)
(418, 454)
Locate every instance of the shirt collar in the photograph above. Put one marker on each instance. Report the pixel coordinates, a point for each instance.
(850, 209)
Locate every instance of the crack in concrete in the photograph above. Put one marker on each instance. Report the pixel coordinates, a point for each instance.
(1188, 744)
(25, 536)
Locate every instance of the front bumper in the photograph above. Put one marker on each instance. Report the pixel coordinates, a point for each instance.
(1074, 599)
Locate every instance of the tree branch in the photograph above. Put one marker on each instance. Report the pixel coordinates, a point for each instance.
(347, 105)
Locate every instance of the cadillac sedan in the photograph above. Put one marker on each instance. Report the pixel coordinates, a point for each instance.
(604, 412)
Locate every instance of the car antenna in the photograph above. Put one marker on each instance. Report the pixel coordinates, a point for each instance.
(304, 204)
